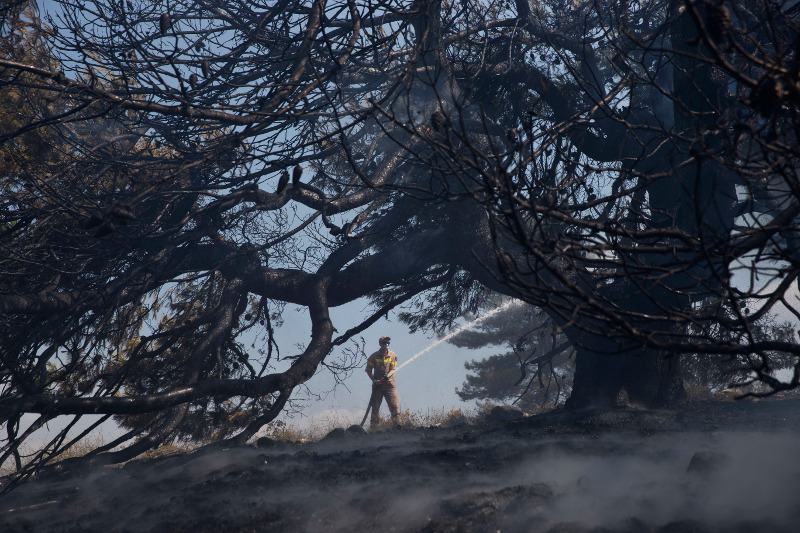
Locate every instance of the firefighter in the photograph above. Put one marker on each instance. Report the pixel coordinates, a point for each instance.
(380, 369)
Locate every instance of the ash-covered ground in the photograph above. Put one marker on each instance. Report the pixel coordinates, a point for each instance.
(728, 466)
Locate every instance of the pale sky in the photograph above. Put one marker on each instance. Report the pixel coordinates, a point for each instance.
(428, 383)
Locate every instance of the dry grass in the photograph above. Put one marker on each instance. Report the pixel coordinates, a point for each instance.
(79, 449)
(170, 448)
(697, 392)
(442, 417)
(90, 443)
(284, 432)
(729, 394)
(288, 432)
(82, 447)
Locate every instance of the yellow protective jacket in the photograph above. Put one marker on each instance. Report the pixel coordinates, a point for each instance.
(381, 365)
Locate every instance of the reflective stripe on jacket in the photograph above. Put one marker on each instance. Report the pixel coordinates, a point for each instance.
(381, 365)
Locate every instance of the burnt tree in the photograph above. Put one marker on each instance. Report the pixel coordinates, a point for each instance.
(174, 173)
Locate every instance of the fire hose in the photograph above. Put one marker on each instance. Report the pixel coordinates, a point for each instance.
(437, 342)
(369, 402)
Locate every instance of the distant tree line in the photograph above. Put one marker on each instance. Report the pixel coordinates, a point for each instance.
(534, 365)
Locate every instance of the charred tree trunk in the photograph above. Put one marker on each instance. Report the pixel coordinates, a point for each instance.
(696, 198)
(597, 380)
(649, 379)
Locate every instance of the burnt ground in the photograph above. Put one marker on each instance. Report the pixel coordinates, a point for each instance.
(727, 466)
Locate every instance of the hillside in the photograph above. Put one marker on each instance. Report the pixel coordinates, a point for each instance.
(727, 466)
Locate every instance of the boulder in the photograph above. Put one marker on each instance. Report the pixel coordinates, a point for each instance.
(458, 421)
(266, 442)
(505, 413)
(356, 429)
(336, 434)
(705, 462)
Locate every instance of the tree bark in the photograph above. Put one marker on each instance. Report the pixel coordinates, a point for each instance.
(648, 378)
(595, 384)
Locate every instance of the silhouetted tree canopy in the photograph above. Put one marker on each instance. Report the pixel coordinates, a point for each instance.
(174, 173)
(535, 370)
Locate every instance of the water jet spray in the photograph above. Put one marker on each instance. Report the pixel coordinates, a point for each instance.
(462, 328)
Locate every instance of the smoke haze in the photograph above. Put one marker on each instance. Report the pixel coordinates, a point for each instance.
(517, 477)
